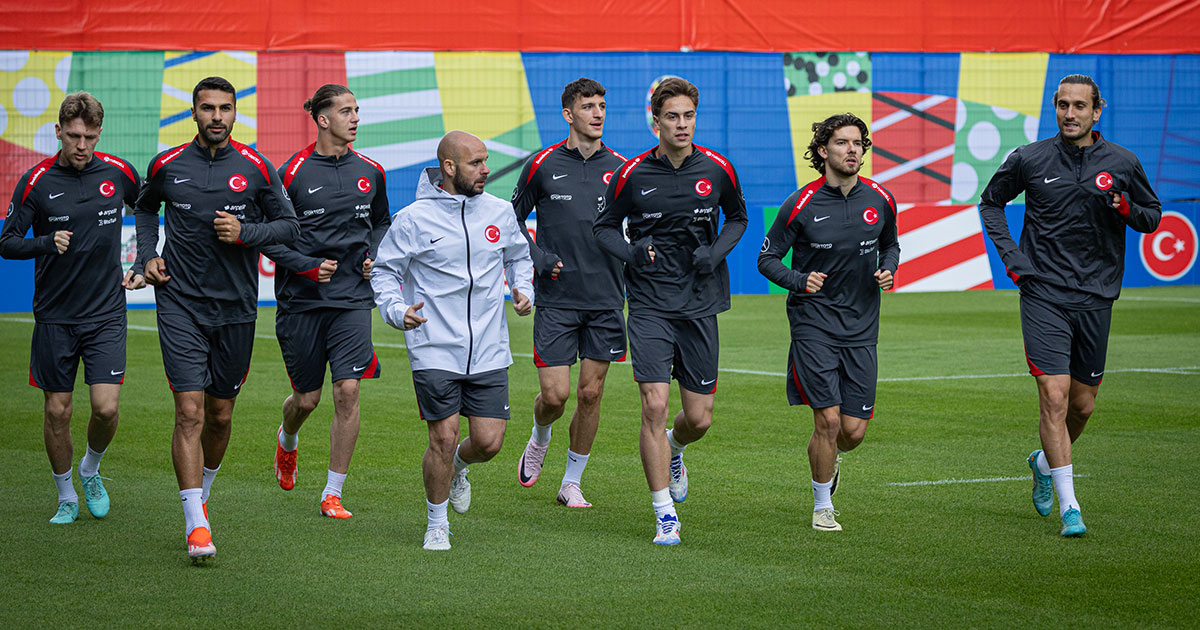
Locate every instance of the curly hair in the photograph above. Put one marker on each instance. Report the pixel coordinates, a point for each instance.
(81, 105)
(823, 131)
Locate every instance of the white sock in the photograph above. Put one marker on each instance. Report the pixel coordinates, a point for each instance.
(193, 509)
(676, 447)
(437, 514)
(821, 499)
(1042, 464)
(66, 488)
(333, 484)
(1064, 487)
(541, 433)
(661, 499)
(206, 482)
(575, 465)
(289, 441)
(459, 464)
(89, 466)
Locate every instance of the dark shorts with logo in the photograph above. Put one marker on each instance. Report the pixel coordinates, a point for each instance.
(820, 375)
(686, 349)
(562, 334)
(1065, 341)
(197, 357)
(57, 348)
(340, 337)
(441, 394)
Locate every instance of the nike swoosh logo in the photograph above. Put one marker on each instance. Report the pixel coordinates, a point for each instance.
(434, 240)
(820, 219)
(708, 382)
(559, 176)
(1047, 180)
(58, 195)
(611, 351)
(647, 192)
(866, 408)
(1095, 375)
(359, 369)
(180, 181)
(313, 190)
(506, 407)
(238, 386)
(116, 373)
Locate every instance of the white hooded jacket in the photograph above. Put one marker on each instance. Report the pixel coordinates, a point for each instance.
(449, 252)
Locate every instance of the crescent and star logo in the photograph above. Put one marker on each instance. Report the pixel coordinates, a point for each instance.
(607, 177)
(703, 187)
(237, 183)
(1104, 180)
(107, 188)
(870, 216)
(1170, 251)
(491, 233)
(364, 184)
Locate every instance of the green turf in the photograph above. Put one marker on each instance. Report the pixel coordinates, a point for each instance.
(961, 555)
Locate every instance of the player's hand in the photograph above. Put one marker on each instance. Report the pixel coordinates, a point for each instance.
(326, 270)
(884, 278)
(133, 281)
(1115, 198)
(643, 251)
(62, 239)
(702, 261)
(815, 281)
(228, 227)
(557, 268)
(521, 304)
(411, 319)
(650, 251)
(367, 264)
(156, 271)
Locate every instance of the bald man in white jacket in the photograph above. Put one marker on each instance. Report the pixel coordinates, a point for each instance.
(439, 277)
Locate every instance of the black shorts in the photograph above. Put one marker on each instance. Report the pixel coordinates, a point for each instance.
(820, 375)
(197, 357)
(57, 348)
(1065, 341)
(441, 394)
(686, 349)
(562, 334)
(339, 337)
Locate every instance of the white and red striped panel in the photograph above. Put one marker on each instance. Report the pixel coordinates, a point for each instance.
(941, 249)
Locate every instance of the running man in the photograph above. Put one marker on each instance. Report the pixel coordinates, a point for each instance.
(677, 281)
(841, 230)
(74, 202)
(580, 290)
(322, 285)
(1080, 192)
(440, 278)
(222, 201)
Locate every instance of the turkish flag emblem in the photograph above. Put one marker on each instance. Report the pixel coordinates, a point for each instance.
(1104, 180)
(607, 177)
(238, 183)
(1170, 251)
(870, 216)
(364, 184)
(491, 233)
(107, 188)
(703, 187)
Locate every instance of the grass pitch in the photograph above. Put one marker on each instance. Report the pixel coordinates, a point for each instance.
(955, 407)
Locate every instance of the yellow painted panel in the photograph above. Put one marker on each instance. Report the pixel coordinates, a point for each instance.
(32, 87)
(1014, 81)
(484, 93)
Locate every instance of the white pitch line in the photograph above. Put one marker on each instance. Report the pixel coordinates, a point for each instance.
(942, 482)
(1136, 298)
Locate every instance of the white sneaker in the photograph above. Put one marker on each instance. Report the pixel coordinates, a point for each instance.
(460, 492)
(437, 539)
(667, 530)
(529, 468)
(678, 483)
(571, 496)
(823, 520)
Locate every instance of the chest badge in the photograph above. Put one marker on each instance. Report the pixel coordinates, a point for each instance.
(870, 216)
(607, 177)
(364, 185)
(107, 188)
(1104, 180)
(492, 234)
(238, 183)
(703, 187)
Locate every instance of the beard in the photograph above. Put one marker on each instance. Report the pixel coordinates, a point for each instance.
(464, 185)
(217, 138)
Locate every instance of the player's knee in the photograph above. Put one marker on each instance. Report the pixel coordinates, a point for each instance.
(443, 443)
(344, 391)
(105, 412)
(1081, 409)
(486, 446)
(307, 402)
(655, 409)
(589, 394)
(827, 422)
(555, 398)
(58, 413)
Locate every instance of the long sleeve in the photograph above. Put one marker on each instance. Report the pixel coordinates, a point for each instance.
(1005, 185)
(13, 244)
(381, 216)
(733, 205)
(145, 213)
(780, 237)
(281, 226)
(889, 242)
(524, 199)
(614, 208)
(1139, 205)
(518, 266)
(388, 272)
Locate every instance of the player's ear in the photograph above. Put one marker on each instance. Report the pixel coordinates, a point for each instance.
(567, 116)
(823, 152)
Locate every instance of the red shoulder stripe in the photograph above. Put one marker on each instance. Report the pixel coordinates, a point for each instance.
(166, 157)
(253, 156)
(721, 161)
(881, 190)
(610, 150)
(119, 163)
(627, 168)
(541, 157)
(36, 174)
(806, 194)
(293, 165)
(371, 162)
